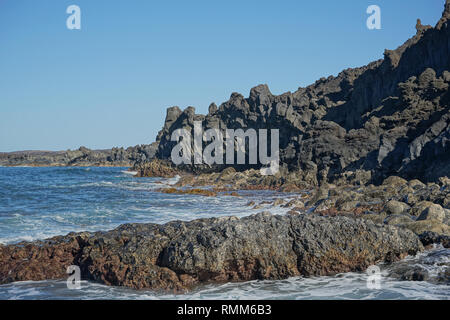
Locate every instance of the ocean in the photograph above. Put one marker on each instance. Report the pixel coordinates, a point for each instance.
(38, 203)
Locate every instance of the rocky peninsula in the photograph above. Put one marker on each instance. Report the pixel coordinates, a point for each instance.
(83, 157)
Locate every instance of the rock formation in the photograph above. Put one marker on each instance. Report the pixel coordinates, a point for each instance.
(390, 117)
(81, 157)
(179, 255)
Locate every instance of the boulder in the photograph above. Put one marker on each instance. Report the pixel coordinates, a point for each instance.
(396, 207)
(419, 207)
(433, 212)
(395, 182)
(422, 226)
(428, 238)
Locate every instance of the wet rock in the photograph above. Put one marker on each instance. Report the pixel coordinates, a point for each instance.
(444, 276)
(294, 203)
(431, 266)
(415, 274)
(199, 192)
(156, 168)
(278, 202)
(179, 255)
(429, 238)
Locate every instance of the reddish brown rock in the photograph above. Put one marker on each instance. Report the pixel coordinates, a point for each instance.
(179, 255)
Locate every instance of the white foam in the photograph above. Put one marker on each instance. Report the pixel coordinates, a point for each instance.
(342, 287)
(133, 173)
(173, 180)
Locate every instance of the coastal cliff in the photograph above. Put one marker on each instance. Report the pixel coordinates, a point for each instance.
(390, 117)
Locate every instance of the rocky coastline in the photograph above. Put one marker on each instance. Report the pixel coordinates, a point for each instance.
(365, 161)
(82, 157)
(326, 231)
(388, 118)
(180, 255)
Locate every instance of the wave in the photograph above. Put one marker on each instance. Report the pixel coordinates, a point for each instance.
(345, 286)
(133, 173)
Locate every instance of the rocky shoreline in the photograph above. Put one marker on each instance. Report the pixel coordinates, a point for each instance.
(180, 255)
(365, 160)
(411, 204)
(327, 230)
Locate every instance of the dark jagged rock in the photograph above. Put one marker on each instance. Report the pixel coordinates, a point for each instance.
(390, 117)
(82, 157)
(180, 255)
(428, 238)
(433, 267)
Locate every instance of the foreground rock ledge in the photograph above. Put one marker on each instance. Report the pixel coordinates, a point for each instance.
(179, 255)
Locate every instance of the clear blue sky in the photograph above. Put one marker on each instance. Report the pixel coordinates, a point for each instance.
(110, 83)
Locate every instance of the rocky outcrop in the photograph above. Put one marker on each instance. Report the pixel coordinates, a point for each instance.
(433, 267)
(155, 168)
(179, 255)
(82, 157)
(390, 117)
(412, 204)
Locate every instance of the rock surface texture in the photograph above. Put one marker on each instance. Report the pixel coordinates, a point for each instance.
(179, 255)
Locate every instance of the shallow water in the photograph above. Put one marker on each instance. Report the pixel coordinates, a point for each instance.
(37, 203)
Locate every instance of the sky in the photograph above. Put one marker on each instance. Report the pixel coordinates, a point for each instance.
(109, 83)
